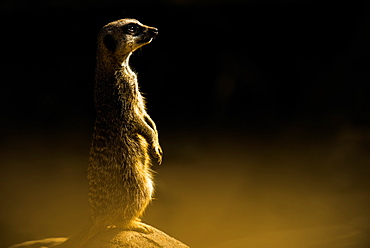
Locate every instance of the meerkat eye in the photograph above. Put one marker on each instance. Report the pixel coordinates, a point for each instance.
(131, 28)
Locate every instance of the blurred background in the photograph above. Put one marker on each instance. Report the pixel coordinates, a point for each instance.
(262, 108)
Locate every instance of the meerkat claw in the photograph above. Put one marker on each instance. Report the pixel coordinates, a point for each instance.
(158, 153)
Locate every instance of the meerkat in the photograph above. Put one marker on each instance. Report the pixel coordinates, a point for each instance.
(125, 138)
(119, 175)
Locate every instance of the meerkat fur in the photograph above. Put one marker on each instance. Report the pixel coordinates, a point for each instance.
(125, 138)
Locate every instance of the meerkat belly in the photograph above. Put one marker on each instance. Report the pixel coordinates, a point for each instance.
(120, 177)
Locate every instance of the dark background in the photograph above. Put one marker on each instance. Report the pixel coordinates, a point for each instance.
(262, 108)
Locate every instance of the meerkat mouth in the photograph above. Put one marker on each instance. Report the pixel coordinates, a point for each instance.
(146, 40)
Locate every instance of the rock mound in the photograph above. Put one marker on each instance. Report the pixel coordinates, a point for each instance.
(113, 238)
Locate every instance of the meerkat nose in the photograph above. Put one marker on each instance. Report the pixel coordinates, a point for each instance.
(154, 31)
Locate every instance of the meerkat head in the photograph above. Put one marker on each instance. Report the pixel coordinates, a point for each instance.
(120, 38)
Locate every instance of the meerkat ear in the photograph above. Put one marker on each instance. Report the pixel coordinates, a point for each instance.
(110, 43)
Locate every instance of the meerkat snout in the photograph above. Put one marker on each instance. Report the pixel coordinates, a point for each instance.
(155, 31)
(148, 35)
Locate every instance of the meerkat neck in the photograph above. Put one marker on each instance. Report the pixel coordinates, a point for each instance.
(128, 74)
(116, 89)
(108, 65)
(126, 61)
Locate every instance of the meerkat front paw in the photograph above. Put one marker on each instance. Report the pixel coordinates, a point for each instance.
(157, 152)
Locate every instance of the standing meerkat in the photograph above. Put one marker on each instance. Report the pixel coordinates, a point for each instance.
(119, 175)
(125, 137)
